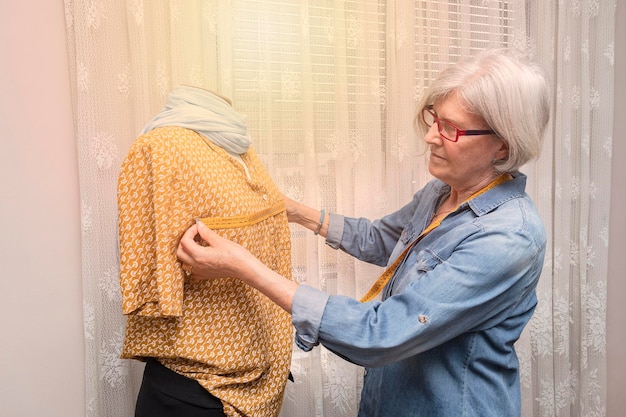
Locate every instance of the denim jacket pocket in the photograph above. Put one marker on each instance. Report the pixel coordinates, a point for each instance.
(414, 267)
(426, 260)
(408, 234)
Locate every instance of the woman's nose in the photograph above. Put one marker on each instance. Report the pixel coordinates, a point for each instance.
(432, 136)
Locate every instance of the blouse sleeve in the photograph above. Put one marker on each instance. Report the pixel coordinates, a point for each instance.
(151, 277)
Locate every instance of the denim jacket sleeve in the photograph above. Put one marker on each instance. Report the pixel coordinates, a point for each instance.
(377, 241)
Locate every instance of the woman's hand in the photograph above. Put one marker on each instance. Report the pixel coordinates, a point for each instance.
(291, 207)
(224, 258)
(305, 216)
(220, 258)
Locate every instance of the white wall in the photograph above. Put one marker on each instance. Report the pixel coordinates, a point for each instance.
(41, 348)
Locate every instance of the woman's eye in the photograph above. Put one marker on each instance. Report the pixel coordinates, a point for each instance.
(448, 128)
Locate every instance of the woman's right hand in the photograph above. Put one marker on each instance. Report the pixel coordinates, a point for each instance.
(224, 258)
(220, 257)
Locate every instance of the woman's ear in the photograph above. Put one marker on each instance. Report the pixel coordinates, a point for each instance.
(502, 154)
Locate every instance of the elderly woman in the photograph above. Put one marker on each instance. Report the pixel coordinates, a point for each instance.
(463, 256)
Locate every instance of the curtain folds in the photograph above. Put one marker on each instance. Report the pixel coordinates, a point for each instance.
(566, 360)
(329, 89)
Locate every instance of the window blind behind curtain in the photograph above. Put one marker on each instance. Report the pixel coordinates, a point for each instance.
(329, 89)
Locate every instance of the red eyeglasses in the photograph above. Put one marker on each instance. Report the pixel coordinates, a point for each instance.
(446, 129)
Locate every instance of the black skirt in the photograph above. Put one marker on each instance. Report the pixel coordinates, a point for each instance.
(165, 393)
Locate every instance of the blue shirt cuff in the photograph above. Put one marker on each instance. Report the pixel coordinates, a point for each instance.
(335, 230)
(307, 310)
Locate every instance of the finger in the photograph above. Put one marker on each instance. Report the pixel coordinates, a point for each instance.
(190, 233)
(182, 255)
(187, 241)
(205, 232)
(188, 270)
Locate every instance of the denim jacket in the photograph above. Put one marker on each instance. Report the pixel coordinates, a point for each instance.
(441, 341)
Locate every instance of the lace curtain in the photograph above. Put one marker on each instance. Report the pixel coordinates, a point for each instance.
(564, 348)
(329, 88)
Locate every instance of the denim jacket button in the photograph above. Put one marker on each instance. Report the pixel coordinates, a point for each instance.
(422, 318)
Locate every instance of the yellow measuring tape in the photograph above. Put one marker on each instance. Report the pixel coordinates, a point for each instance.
(245, 220)
(380, 283)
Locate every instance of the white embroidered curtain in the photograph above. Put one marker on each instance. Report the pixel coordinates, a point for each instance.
(564, 349)
(329, 88)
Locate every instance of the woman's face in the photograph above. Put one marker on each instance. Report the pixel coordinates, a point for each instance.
(468, 162)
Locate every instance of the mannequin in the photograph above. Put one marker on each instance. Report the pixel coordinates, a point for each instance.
(194, 160)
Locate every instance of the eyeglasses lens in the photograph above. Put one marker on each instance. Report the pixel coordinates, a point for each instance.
(445, 129)
(428, 117)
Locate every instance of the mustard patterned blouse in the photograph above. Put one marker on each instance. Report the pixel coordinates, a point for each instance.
(223, 333)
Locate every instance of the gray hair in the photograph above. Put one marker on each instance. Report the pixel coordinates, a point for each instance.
(510, 93)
